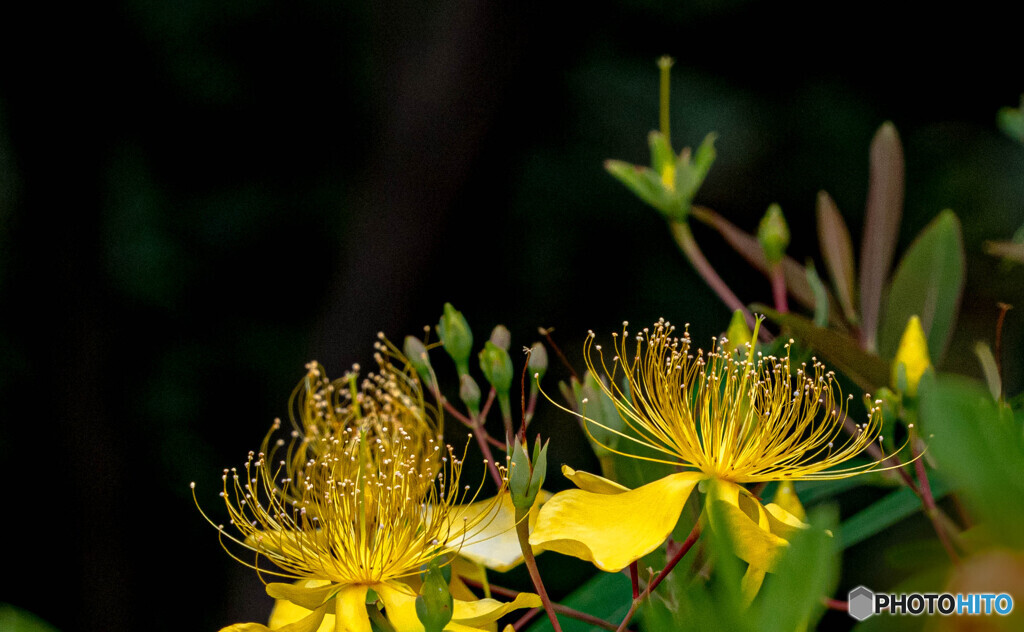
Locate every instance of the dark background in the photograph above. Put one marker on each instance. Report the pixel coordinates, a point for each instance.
(197, 197)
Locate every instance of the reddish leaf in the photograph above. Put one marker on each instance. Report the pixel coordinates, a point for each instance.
(881, 226)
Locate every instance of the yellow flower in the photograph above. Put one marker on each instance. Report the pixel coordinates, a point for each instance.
(722, 420)
(912, 358)
(358, 499)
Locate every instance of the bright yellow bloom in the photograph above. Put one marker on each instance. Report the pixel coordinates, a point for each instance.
(722, 420)
(359, 498)
(911, 357)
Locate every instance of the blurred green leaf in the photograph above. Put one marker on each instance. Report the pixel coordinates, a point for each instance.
(600, 408)
(990, 368)
(881, 225)
(979, 450)
(17, 620)
(929, 282)
(820, 296)
(691, 602)
(842, 352)
(646, 184)
(1010, 250)
(891, 509)
(837, 250)
(606, 596)
(791, 596)
(1011, 121)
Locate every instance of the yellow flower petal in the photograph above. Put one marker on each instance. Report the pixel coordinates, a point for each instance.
(286, 612)
(350, 609)
(612, 530)
(751, 583)
(786, 498)
(496, 546)
(782, 523)
(752, 540)
(484, 611)
(913, 355)
(400, 607)
(592, 482)
(310, 594)
(310, 623)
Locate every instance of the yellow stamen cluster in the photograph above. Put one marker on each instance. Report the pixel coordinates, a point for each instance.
(741, 419)
(362, 491)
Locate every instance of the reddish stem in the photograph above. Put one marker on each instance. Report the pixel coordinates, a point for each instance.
(932, 510)
(508, 593)
(779, 289)
(683, 548)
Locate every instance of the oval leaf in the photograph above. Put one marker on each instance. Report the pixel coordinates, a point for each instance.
(929, 282)
(837, 250)
(881, 226)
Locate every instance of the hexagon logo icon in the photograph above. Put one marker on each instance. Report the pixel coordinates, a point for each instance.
(862, 603)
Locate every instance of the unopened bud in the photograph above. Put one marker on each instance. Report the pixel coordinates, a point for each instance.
(501, 337)
(469, 393)
(912, 358)
(527, 477)
(497, 367)
(738, 334)
(538, 360)
(416, 352)
(773, 234)
(434, 604)
(456, 337)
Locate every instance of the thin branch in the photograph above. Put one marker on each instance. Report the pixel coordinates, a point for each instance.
(546, 332)
(523, 531)
(931, 510)
(683, 549)
(508, 593)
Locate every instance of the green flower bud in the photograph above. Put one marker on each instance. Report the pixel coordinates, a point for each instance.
(773, 234)
(497, 367)
(527, 477)
(538, 363)
(469, 393)
(434, 605)
(501, 337)
(738, 334)
(456, 337)
(539, 470)
(416, 352)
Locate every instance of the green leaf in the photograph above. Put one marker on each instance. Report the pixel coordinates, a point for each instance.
(891, 509)
(791, 596)
(820, 296)
(977, 444)
(881, 225)
(990, 368)
(929, 282)
(16, 620)
(1011, 121)
(842, 352)
(837, 250)
(607, 596)
(646, 184)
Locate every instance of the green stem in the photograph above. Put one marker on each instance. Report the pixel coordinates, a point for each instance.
(665, 65)
(523, 531)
